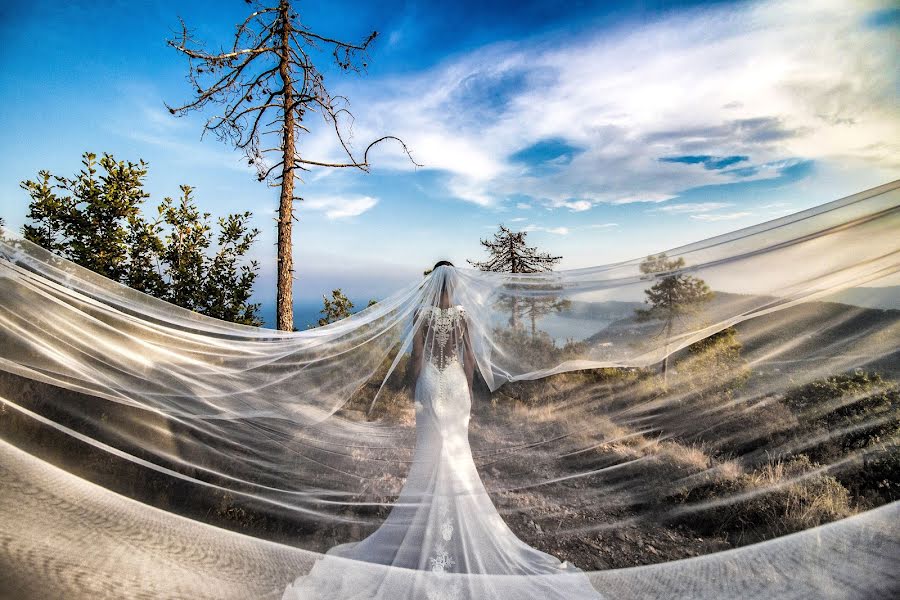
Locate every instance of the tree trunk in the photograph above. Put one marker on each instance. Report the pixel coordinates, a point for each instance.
(665, 364)
(513, 268)
(284, 308)
(533, 313)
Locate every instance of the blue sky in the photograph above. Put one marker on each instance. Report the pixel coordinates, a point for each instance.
(607, 130)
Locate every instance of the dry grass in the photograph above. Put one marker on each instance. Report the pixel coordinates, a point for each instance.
(693, 455)
(779, 497)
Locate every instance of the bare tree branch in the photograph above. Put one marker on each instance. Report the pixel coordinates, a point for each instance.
(269, 70)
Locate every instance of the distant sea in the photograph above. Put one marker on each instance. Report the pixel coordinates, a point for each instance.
(306, 312)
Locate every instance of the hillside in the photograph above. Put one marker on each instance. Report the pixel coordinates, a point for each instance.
(630, 470)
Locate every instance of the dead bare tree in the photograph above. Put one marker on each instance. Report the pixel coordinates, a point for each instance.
(267, 84)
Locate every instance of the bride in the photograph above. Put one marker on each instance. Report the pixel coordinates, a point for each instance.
(443, 538)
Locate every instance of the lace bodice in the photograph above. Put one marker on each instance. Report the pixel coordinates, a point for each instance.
(444, 331)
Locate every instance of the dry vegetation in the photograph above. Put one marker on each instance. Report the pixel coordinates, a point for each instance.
(635, 472)
(630, 471)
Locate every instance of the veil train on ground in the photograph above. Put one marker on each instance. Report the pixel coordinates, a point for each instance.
(725, 415)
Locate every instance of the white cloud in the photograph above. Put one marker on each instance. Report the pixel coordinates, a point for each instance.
(470, 191)
(340, 207)
(577, 205)
(553, 230)
(699, 207)
(518, 219)
(558, 230)
(602, 225)
(721, 216)
(754, 80)
(523, 206)
(647, 197)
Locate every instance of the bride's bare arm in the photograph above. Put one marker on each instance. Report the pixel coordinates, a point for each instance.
(468, 357)
(415, 361)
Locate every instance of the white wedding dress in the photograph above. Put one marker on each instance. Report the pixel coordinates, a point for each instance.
(443, 539)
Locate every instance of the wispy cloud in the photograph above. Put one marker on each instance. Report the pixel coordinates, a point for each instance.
(709, 217)
(553, 230)
(138, 118)
(340, 207)
(652, 198)
(727, 94)
(576, 205)
(698, 207)
(558, 230)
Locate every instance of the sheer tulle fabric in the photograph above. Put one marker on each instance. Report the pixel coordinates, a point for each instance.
(320, 430)
(444, 521)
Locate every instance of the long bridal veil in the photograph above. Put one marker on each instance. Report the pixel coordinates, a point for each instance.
(725, 414)
(443, 523)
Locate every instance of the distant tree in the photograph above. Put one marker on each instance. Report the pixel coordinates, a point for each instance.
(267, 78)
(674, 296)
(335, 308)
(535, 308)
(95, 220)
(508, 253)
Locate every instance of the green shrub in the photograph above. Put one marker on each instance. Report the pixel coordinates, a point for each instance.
(531, 350)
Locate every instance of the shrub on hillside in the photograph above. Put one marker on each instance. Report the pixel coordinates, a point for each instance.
(780, 497)
(534, 349)
(853, 415)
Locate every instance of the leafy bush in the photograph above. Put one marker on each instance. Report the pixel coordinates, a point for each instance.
(94, 219)
(696, 402)
(714, 364)
(534, 349)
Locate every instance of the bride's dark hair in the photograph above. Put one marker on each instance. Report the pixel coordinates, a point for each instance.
(445, 285)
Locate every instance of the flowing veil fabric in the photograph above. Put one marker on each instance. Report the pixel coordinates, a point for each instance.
(398, 488)
(444, 521)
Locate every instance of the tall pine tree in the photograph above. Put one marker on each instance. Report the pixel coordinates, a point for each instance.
(508, 253)
(674, 296)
